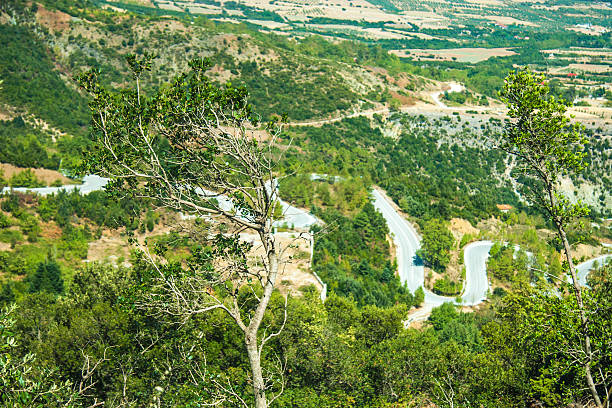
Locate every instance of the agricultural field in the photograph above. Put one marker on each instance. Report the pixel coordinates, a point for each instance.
(470, 41)
(581, 16)
(471, 55)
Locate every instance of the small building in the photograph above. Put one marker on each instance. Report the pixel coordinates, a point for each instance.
(504, 207)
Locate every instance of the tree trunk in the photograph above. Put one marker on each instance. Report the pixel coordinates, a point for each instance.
(583, 319)
(250, 339)
(255, 362)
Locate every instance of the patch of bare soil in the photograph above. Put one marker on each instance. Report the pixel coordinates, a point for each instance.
(220, 74)
(403, 99)
(172, 25)
(109, 248)
(6, 116)
(490, 226)
(53, 20)
(454, 268)
(583, 252)
(471, 55)
(403, 80)
(50, 230)
(294, 271)
(460, 227)
(431, 277)
(45, 175)
(392, 249)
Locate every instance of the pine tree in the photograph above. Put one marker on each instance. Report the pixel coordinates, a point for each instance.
(48, 278)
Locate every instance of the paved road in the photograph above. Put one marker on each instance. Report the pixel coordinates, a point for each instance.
(411, 273)
(584, 268)
(293, 217)
(407, 242)
(476, 283)
(90, 183)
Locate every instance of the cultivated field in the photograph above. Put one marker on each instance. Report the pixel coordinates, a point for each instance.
(471, 55)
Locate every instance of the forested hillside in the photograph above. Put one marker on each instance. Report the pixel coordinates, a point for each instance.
(182, 284)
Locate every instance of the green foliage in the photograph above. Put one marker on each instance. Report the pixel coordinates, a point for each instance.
(277, 90)
(545, 329)
(11, 236)
(548, 146)
(446, 287)
(298, 189)
(96, 206)
(29, 226)
(48, 278)
(451, 325)
(22, 381)
(344, 353)
(141, 127)
(419, 296)
(4, 221)
(24, 146)
(337, 353)
(506, 265)
(71, 212)
(74, 242)
(31, 81)
(436, 244)
(353, 259)
(415, 170)
(347, 195)
(546, 143)
(25, 178)
(12, 264)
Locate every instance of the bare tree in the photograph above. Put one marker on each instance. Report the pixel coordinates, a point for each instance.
(191, 147)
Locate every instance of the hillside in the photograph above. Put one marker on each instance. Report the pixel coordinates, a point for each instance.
(309, 78)
(399, 263)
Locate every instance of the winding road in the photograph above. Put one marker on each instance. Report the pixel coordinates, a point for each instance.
(405, 237)
(412, 273)
(454, 87)
(292, 216)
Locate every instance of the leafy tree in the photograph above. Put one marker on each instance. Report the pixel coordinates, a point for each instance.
(186, 143)
(7, 295)
(442, 315)
(378, 325)
(419, 296)
(353, 259)
(24, 384)
(539, 337)
(2, 180)
(437, 243)
(547, 146)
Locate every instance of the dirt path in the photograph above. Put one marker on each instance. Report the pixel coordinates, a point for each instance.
(369, 112)
(437, 106)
